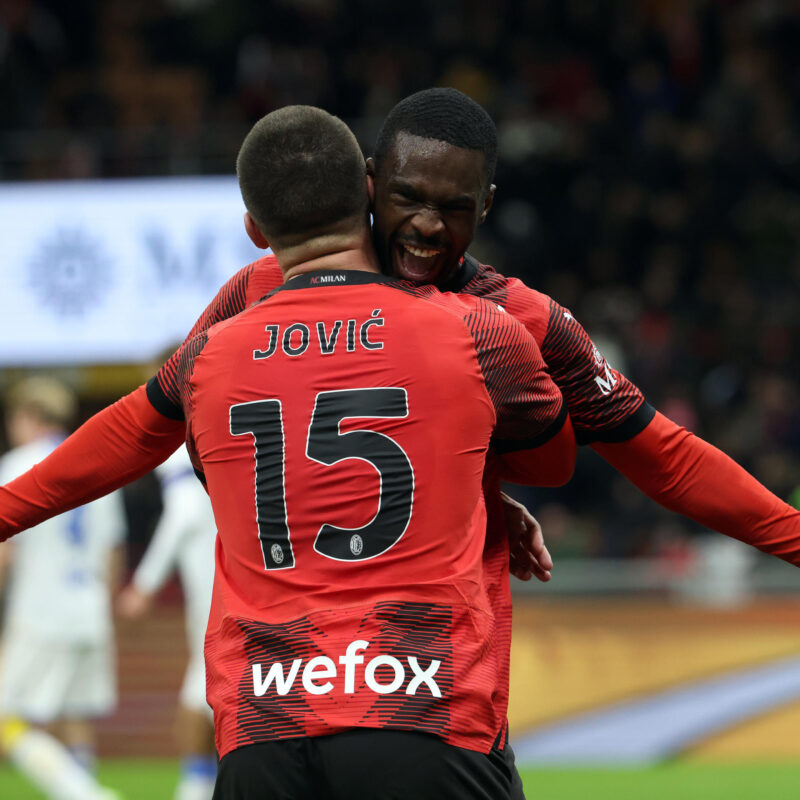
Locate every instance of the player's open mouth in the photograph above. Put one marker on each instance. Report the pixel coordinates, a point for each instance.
(418, 263)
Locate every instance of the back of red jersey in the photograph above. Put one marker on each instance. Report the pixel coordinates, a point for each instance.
(342, 427)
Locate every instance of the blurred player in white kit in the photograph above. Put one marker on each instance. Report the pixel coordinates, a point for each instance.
(184, 539)
(58, 667)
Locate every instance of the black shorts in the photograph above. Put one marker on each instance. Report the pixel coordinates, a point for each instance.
(366, 764)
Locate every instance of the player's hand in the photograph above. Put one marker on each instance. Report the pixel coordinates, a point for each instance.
(529, 556)
(133, 604)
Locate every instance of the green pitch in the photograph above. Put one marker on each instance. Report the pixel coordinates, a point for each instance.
(669, 781)
(155, 780)
(134, 779)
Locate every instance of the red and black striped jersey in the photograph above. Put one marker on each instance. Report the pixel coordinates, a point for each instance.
(342, 426)
(603, 404)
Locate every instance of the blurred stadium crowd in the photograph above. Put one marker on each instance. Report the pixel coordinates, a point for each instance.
(649, 172)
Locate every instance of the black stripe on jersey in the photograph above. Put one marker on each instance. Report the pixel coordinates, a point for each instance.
(627, 429)
(513, 445)
(172, 400)
(160, 402)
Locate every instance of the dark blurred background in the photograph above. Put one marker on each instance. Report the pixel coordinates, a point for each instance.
(648, 176)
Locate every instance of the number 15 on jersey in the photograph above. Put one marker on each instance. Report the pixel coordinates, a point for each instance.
(263, 420)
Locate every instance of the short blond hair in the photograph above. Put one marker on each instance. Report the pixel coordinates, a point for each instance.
(47, 398)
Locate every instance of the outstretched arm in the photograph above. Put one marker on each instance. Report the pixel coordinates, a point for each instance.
(116, 446)
(126, 440)
(672, 466)
(691, 477)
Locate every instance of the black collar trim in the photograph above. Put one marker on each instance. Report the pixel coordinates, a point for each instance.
(331, 277)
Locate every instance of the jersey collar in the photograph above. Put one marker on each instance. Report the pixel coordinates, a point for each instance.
(330, 277)
(466, 271)
(333, 277)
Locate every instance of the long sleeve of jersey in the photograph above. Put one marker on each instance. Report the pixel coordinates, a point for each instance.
(691, 477)
(128, 439)
(116, 446)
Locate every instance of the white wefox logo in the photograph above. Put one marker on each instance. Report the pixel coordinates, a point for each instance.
(321, 668)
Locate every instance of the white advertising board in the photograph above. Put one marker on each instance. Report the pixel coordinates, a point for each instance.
(112, 271)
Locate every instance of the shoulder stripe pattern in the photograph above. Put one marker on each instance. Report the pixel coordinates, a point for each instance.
(525, 399)
(602, 402)
(174, 405)
(230, 300)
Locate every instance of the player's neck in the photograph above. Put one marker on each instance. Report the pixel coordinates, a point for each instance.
(329, 253)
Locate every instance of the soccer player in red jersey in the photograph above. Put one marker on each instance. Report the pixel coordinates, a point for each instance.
(344, 458)
(433, 170)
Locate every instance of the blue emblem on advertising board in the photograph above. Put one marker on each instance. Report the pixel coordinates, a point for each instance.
(70, 272)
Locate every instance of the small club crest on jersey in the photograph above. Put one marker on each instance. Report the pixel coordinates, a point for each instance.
(356, 544)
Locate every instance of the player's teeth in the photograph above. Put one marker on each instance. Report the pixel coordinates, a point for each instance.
(416, 251)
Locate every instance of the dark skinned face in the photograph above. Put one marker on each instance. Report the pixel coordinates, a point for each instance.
(430, 197)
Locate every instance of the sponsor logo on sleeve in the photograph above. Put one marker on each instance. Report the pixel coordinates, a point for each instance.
(607, 380)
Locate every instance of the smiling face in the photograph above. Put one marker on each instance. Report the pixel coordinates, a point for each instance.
(430, 197)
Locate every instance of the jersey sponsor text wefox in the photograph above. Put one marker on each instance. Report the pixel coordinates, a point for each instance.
(322, 668)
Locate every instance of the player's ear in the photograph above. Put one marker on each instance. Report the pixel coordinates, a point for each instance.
(371, 167)
(253, 231)
(370, 189)
(487, 204)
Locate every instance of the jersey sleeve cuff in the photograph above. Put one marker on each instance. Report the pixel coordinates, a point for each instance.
(160, 401)
(627, 429)
(512, 445)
